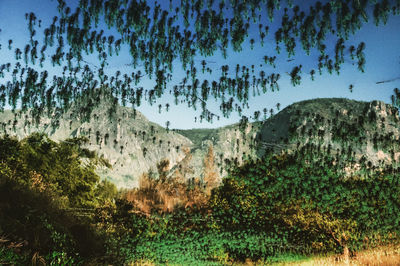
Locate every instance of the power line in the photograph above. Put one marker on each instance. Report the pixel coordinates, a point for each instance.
(389, 80)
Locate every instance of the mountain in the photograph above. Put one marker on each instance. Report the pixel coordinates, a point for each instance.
(356, 133)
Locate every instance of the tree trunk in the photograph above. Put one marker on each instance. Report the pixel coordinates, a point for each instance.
(346, 254)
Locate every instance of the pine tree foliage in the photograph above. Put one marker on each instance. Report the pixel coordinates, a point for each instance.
(158, 35)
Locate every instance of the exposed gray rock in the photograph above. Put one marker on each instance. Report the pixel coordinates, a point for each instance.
(133, 145)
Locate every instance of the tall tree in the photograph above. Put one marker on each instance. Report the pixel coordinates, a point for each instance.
(210, 177)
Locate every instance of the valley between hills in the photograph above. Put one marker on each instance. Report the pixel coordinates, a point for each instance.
(353, 131)
(319, 178)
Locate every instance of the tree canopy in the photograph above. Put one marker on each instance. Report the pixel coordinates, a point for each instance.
(161, 36)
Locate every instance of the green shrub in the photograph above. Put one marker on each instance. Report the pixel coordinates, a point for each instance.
(41, 185)
(9, 257)
(274, 209)
(308, 203)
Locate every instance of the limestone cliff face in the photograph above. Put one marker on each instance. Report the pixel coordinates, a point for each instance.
(358, 132)
(132, 144)
(231, 144)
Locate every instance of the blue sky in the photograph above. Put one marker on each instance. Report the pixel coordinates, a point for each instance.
(382, 56)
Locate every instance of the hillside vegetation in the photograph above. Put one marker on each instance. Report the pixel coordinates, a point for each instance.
(44, 187)
(358, 132)
(277, 208)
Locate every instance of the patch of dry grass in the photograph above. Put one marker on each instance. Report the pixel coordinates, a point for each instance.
(142, 263)
(164, 196)
(170, 191)
(382, 256)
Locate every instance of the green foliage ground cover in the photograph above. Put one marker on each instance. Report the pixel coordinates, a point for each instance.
(308, 203)
(54, 208)
(279, 206)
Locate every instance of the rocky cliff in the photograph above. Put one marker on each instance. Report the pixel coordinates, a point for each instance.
(355, 132)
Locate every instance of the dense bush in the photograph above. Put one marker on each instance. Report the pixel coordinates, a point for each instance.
(308, 203)
(54, 209)
(42, 184)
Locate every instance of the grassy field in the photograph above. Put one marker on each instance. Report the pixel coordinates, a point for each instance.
(386, 256)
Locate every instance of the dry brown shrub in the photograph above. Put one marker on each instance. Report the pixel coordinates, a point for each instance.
(144, 197)
(38, 259)
(3, 240)
(196, 195)
(14, 245)
(166, 193)
(210, 171)
(37, 181)
(142, 263)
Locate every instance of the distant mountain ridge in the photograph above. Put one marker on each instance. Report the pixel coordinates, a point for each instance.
(357, 132)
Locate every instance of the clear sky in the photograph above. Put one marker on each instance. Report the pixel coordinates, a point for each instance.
(382, 56)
